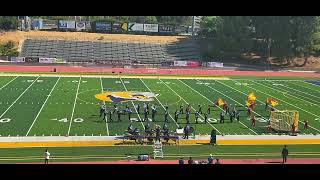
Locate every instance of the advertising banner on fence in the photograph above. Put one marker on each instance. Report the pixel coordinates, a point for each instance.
(49, 24)
(150, 27)
(80, 26)
(120, 27)
(46, 60)
(114, 62)
(32, 59)
(187, 63)
(180, 63)
(88, 25)
(214, 64)
(166, 28)
(135, 27)
(37, 24)
(67, 24)
(17, 59)
(103, 26)
(59, 61)
(193, 63)
(181, 29)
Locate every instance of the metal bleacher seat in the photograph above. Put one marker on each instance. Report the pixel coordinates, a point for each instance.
(88, 50)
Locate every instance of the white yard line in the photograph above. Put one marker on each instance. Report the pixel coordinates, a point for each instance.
(74, 105)
(20, 96)
(234, 101)
(300, 91)
(104, 103)
(133, 104)
(159, 102)
(9, 82)
(306, 86)
(294, 96)
(312, 84)
(188, 103)
(42, 106)
(279, 99)
(285, 101)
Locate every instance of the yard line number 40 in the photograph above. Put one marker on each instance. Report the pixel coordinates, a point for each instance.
(77, 120)
(66, 120)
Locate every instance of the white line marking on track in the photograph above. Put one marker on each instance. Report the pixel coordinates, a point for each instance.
(42, 107)
(74, 105)
(19, 97)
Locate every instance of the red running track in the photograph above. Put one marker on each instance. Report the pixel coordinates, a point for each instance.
(223, 161)
(214, 72)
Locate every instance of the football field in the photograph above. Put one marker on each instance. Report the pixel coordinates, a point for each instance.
(61, 105)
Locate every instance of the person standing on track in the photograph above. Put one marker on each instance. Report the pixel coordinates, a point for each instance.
(46, 157)
(284, 154)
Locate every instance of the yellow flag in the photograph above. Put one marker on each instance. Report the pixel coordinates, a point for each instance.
(272, 101)
(220, 102)
(247, 104)
(251, 97)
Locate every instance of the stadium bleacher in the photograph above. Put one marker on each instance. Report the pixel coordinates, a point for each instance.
(88, 51)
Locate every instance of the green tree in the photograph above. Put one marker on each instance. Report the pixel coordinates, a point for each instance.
(9, 22)
(8, 49)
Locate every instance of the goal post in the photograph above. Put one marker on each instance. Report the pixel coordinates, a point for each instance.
(282, 120)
